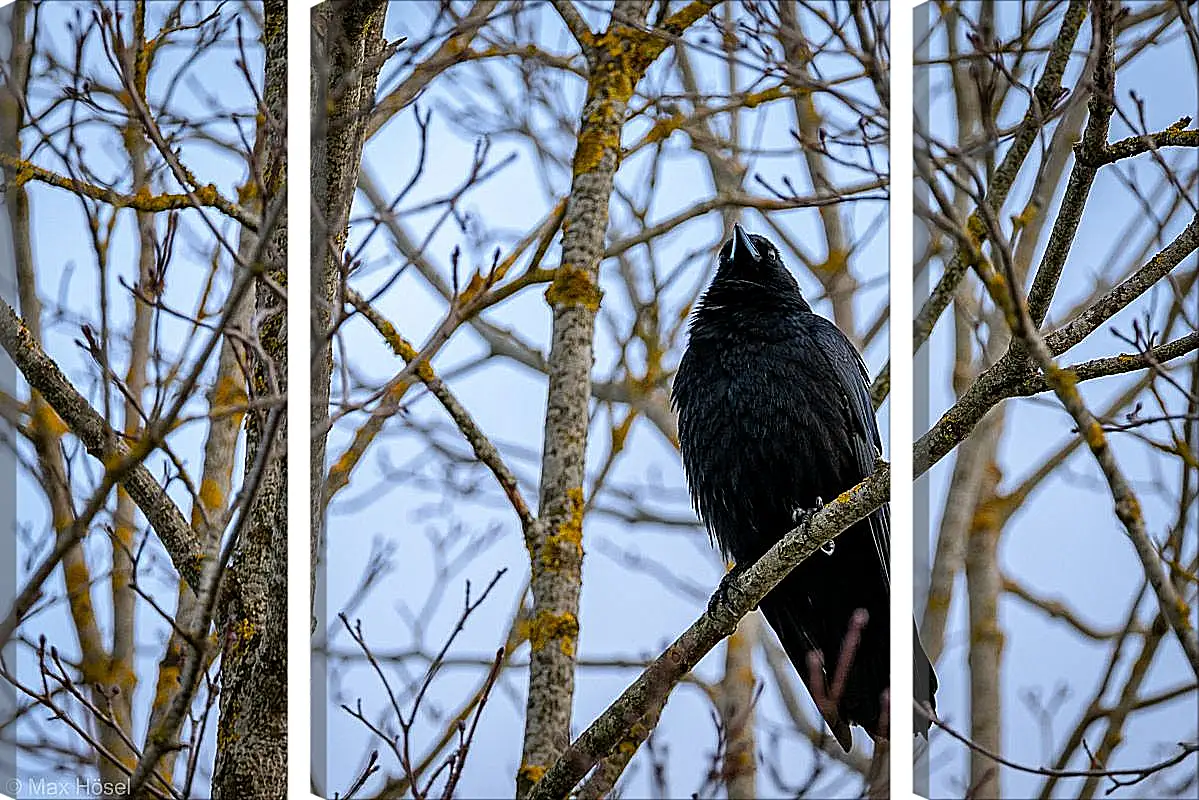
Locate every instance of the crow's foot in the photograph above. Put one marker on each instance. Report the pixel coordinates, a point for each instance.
(802, 517)
(723, 595)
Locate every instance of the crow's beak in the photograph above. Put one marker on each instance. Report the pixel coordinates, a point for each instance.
(741, 242)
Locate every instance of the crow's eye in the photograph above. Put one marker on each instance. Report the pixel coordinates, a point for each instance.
(765, 247)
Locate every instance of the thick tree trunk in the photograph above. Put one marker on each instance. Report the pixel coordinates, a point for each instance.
(617, 60)
(347, 48)
(251, 759)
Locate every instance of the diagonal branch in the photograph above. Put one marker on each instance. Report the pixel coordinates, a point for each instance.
(102, 442)
(1121, 296)
(1005, 292)
(1047, 93)
(649, 692)
(447, 55)
(1118, 364)
(484, 449)
(574, 22)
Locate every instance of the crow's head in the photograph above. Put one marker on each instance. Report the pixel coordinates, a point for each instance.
(751, 272)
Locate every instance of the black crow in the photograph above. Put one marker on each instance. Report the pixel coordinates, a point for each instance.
(774, 415)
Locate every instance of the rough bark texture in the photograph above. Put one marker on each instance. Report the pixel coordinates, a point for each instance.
(347, 45)
(251, 757)
(556, 544)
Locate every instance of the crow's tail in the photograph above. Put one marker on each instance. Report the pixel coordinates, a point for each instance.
(860, 699)
(780, 611)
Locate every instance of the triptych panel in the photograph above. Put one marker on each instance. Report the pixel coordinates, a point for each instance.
(593, 376)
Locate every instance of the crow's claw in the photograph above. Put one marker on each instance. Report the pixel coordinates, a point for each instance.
(722, 596)
(802, 517)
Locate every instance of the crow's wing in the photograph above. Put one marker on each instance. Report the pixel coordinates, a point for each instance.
(848, 369)
(851, 373)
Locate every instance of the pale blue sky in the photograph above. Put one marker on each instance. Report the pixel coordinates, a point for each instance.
(68, 285)
(1065, 542)
(1061, 542)
(623, 614)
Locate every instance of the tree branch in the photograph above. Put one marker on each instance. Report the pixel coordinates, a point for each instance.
(649, 692)
(102, 442)
(1048, 91)
(1005, 292)
(23, 172)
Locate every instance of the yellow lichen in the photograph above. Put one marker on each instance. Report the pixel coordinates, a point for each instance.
(755, 99)
(1027, 215)
(988, 515)
(211, 495)
(573, 286)
(547, 627)
(1061, 378)
(240, 634)
(207, 195)
(77, 575)
(425, 372)
(835, 263)
(663, 128)
(938, 601)
(593, 143)
(49, 422)
(531, 772)
(168, 681)
(565, 544)
(93, 673)
(247, 192)
(228, 392)
(976, 229)
(988, 632)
